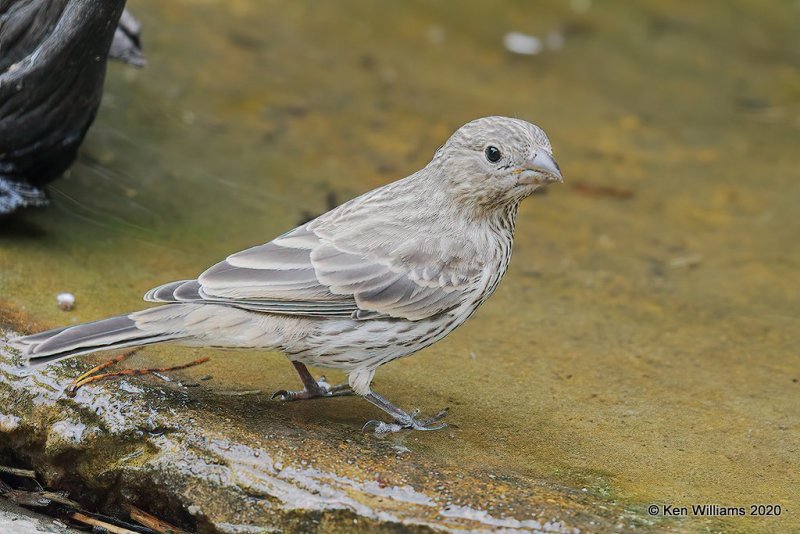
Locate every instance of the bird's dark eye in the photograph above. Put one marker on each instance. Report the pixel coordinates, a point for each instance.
(493, 154)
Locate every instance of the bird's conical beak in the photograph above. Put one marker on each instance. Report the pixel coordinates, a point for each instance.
(540, 169)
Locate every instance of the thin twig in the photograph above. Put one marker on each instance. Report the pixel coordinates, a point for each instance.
(60, 499)
(73, 387)
(151, 521)
(109, 363)
(119, 523)
(27, 473)
(86, 520)
(31, 499)
(83, 380)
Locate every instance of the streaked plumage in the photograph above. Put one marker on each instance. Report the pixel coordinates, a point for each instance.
(375, 279)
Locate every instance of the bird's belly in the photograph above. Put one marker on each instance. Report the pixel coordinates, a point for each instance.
(337, 343)
(347, 344)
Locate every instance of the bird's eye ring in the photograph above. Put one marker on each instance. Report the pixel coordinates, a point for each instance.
(493, 154)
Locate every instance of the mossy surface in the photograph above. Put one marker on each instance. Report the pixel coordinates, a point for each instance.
(218, 463)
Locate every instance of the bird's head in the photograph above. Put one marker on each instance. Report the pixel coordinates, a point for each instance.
(494, 162)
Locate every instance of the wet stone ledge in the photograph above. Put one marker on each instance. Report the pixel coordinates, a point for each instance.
(17, 520)
(195, 458)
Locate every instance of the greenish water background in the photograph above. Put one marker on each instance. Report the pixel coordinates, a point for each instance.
(645, 348)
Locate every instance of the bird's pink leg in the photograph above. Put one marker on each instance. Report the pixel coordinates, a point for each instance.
(312, 388)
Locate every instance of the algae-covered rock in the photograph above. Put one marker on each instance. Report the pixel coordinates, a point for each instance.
(219, 463)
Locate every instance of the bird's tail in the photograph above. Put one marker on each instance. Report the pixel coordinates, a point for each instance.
(115, 333)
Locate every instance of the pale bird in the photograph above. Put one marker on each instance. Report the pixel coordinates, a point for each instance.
(378, 278)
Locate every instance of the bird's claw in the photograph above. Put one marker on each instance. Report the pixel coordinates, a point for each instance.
(282, 395)
(322, 389)
(431, 423)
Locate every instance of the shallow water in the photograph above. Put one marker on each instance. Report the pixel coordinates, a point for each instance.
(644, 344)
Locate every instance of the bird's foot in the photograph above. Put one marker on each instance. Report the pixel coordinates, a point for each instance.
(313, 390)
(409, 421)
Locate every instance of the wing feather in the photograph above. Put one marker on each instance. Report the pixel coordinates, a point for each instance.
(301, 273)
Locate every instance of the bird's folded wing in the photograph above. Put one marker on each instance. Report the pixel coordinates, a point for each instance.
(302, 274)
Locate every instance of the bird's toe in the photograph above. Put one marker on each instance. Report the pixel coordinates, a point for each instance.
(320, 389)
(428, 426)
(435, 418)
(409, 422)
(282, 395)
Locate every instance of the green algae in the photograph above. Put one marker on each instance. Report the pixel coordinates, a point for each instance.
(642, 348)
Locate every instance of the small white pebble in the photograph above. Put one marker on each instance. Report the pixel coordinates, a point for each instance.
(692, 260)
(520, 43)
(66, 301)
